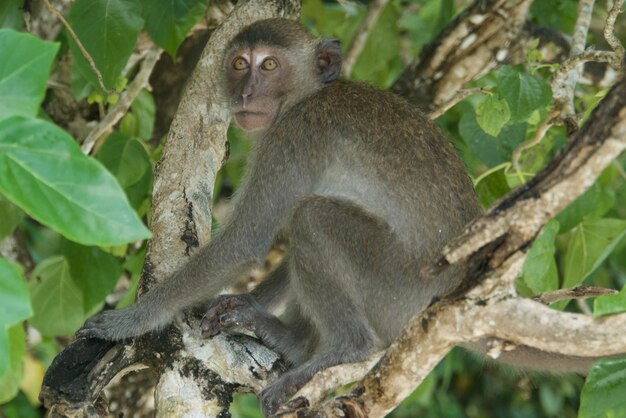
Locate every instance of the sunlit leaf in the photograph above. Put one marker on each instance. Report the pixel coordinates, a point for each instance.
(25, 62)
(44, 172)
(492, 114)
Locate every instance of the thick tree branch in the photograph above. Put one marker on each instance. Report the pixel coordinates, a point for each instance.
(472, 45)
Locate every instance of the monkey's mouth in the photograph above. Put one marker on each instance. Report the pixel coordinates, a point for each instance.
(251, 121)
(247, 113)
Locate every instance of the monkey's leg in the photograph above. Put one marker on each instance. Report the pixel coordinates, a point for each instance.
(339, 255)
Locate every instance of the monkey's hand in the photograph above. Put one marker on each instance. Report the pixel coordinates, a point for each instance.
(229, 311)
(119, 324)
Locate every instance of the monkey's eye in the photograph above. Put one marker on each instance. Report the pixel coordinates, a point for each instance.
(240, 64)
(269, 64)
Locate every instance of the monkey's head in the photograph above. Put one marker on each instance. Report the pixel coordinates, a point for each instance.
(272, 65)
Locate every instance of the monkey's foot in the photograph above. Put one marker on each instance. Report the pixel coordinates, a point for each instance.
(274, 395)
(229, 311)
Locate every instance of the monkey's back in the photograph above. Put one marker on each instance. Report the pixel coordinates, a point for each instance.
(385, 155)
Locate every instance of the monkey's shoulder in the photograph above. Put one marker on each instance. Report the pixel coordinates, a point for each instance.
(359, 108)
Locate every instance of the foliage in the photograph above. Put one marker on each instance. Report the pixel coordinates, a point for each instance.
(82, 218)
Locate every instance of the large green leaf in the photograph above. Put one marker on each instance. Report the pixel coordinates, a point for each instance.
(523, 92)
(603, 393)
(108, 30)
(25, 62)
(591, 242)
(10, 378)
(540, 272)
(168, 21)
(57, 299)
(43, 171)
(14, 306)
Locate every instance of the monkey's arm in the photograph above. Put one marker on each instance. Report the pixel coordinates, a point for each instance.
(274, 181)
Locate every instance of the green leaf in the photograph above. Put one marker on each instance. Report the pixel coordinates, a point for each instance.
(44, 172)
(129, 162)
(14, 342)
(14, 306)
(610, 304)
(591, 242)
(134, 265)
(14, 302)
(603, 393)
(492, 187)
(25, 63)
(169, 21)
(492, 114)
(125, 157)
(95, 272)
(56, 298)
(592, 204)
(140, 122)
(540, 271)
(11, 15)
(11, 216)
(523, 92)
(491, 150)
(108, 30)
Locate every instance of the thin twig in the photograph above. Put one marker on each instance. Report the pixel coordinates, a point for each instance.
(609, 29)
(126, 99)
(578, 292)
(536, 139)
(460, 95)
(374, 10)
(80, 46)
(565, 100)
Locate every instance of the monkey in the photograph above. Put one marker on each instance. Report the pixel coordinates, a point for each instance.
(363, 187)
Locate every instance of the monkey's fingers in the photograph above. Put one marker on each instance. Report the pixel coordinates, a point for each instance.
(210, 327)
(222, 314)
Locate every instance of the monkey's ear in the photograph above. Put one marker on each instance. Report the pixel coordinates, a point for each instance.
(329, 60)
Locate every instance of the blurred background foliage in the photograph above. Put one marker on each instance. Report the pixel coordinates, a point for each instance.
(57, 214)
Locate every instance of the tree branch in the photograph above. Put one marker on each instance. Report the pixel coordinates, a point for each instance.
(472, 45)
(374, 9)
(126, 99)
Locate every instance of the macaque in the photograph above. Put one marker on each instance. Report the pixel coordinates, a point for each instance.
(364, 188)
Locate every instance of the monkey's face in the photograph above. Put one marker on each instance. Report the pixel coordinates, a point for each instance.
(258, 83)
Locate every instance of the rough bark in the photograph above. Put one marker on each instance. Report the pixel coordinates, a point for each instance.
(473, 44)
